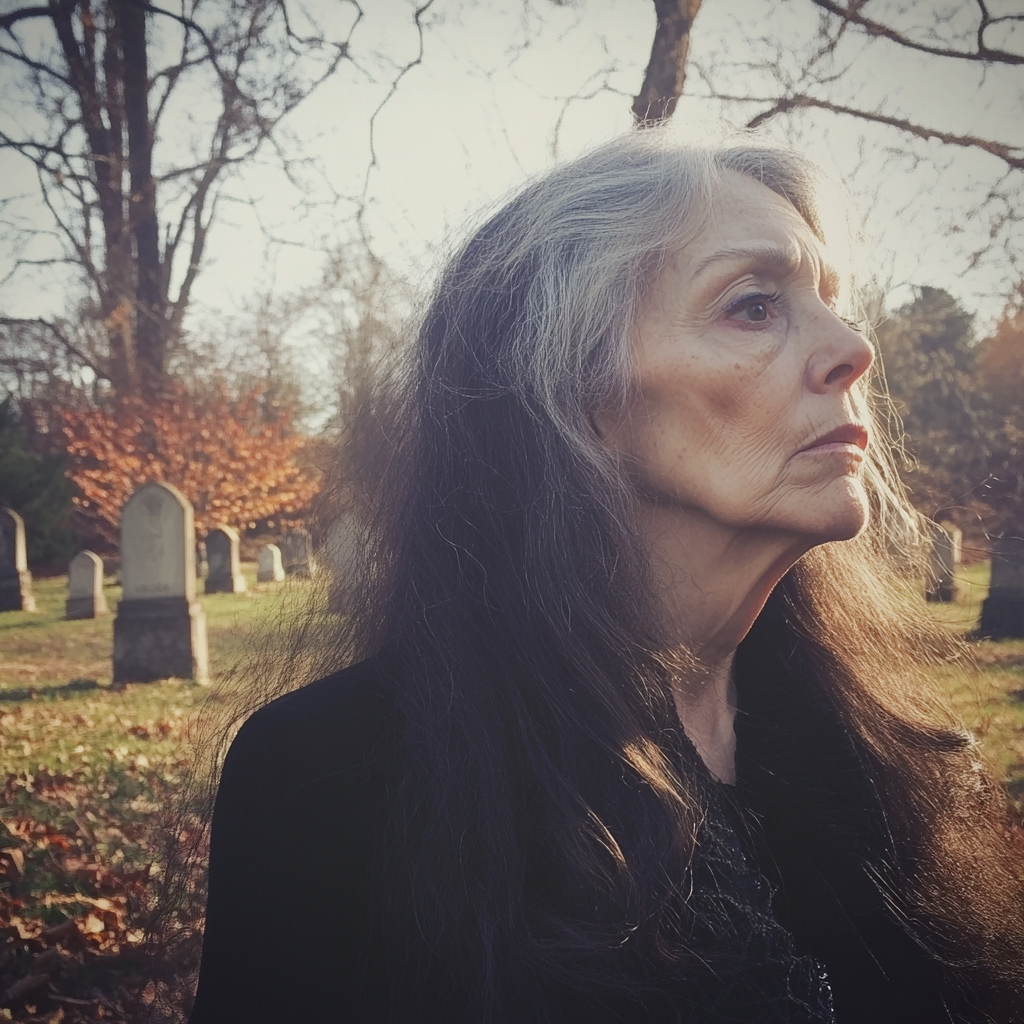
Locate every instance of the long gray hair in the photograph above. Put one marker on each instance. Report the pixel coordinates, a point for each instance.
(503, 586)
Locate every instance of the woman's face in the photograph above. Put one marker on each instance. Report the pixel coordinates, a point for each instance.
(747, 408)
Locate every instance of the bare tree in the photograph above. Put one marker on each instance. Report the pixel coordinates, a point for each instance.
(827, 79)
(666, 71)
(105, 109)
(361, 310)
(315, 350)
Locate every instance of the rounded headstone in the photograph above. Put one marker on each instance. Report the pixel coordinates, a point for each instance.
(269, 567)
(224, 572)
(297, 552)
(160, 629)
(15, 579)
(85, 587)
(339, 560)
(157, 544)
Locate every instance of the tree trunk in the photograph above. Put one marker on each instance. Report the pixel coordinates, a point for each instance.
(666, 70)
(150, 338)
(116, 293)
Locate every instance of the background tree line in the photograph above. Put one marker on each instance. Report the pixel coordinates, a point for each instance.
(248, 412)
(137, 119)
(961, 402)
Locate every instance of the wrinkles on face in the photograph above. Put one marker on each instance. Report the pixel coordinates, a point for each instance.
(743, 434)
(732, 349)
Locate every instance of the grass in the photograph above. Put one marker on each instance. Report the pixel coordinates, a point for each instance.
(82, 648)
(989, 697)
(88, 776)
(89, 772)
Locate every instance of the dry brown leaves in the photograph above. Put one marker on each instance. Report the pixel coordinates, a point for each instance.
(74, 941)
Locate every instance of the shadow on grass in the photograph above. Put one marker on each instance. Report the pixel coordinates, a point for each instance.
(34, 692)
(36, 621)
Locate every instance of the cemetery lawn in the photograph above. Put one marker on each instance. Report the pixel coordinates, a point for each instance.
(989, 699)
(89, 774)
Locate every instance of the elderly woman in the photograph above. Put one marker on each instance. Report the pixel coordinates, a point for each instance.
(633, 728)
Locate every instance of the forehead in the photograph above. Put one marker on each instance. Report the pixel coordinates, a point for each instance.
(745, 218)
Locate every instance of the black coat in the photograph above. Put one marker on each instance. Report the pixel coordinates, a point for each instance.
(291, 931)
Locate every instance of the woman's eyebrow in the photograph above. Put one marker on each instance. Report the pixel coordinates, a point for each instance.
(772, 257)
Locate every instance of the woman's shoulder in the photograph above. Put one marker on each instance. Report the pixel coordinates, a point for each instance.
(340, 723)
(312, 766)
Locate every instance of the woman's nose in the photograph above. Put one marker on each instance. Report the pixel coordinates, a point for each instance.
(842, 356)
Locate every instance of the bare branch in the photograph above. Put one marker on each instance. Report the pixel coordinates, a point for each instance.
(603, 86)
(213, 52)
(402, 72)
(171, 75)
(1010, 155)
(9, 20)
(81, 249)
(199, 233)
(59, 335)
(851, 14)
(24, 146)
(35, 65)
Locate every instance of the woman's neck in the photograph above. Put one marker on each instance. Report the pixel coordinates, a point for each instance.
(705, 700)
(713, 581)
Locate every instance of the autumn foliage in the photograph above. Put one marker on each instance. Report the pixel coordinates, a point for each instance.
(233, 461)
(1002, 359)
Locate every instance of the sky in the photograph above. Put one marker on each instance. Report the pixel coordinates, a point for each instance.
(506, 87)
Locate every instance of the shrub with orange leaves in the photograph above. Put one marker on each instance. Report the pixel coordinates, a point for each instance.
(235, 464)
(1002, 360)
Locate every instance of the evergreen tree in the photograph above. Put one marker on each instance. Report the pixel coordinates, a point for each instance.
(36, 486)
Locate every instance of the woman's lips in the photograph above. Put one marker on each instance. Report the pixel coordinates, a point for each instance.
(845, 438)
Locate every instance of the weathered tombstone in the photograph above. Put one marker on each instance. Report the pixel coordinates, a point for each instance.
(1002, 613)
(15, 579)
(943, 562)
(224, 575)
(85, 587)
(160, 629)
(202, 565)
(339, 558)
(297, 553)
(269, 567)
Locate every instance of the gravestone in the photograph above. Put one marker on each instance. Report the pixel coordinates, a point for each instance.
(269, 567)
(15, 579)
(160, 629)
(85, 587)
(339, 560)
(297, 553)
(224, 575)
(202, 565)
(943, 562)
(1002, 613)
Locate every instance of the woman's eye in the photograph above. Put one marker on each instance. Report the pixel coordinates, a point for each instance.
(753, 309)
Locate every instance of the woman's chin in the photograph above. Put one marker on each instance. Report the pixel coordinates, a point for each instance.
(842, 518)
(845, 523)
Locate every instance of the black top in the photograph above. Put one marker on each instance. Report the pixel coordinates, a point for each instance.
(291, 930)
